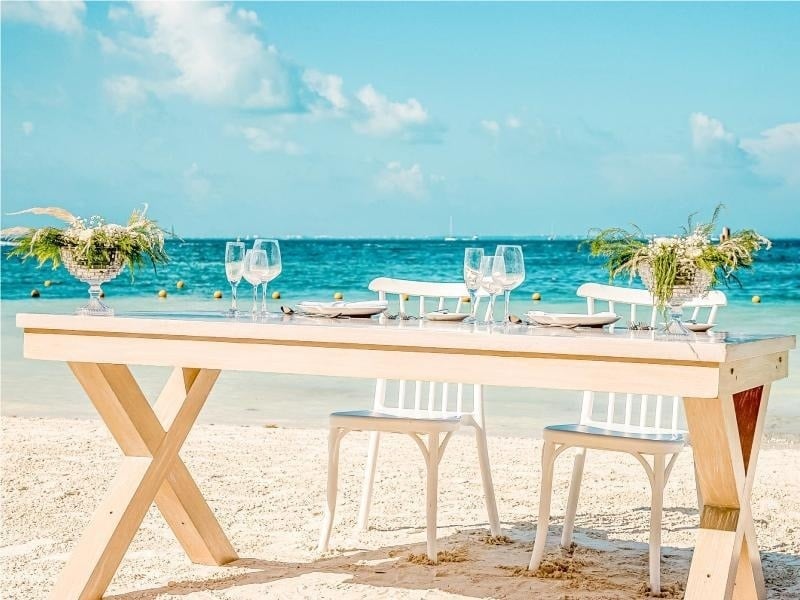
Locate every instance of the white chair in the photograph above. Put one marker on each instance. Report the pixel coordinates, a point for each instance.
(639, 425)
(429, 412)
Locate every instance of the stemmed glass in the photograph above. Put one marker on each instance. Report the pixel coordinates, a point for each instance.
(514, 271)
(493, 273)
(273, 252)
(256, 269)
(472, 278)
(234, 269)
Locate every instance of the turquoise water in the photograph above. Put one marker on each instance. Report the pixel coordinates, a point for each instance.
(317, 268)
(314, 269)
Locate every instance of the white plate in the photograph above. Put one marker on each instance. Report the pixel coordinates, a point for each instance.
(446, 316)
(343, 309)
(572, 319)
(698, 327)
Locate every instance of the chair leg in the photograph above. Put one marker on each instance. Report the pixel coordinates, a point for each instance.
(572, 501)
(432, 493)
(334, 440)
(656, 510)
(548, 459)
(369, 479)
(486, 478)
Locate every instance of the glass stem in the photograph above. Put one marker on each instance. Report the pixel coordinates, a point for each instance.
(490, 312)
(234, 303)
(473, 301)
(254, 310)
(264, 298)
(508, 300)
(94, 293)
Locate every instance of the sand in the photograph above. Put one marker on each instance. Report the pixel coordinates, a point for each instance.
(266, 486)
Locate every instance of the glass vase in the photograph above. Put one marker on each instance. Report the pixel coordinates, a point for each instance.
(689, 285)
(94, 276)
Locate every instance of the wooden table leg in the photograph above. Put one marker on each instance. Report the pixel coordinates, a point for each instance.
(725, 433)
(150, 438)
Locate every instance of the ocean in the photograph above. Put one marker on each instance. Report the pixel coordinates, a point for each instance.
(314, 269)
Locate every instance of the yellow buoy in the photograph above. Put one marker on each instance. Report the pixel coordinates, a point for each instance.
(276, 295)
(338, 296)
(35, 293)
(466, 299)
(180, 284)
(756, 299)
(218, 294)
(405, 297)
(162, 293)
(47, 283)
(536, 296)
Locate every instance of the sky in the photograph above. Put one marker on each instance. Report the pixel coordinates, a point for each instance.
(388, 119)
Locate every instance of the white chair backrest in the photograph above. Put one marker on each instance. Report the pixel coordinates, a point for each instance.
(624, 411)
(425, 398)
(635, 298)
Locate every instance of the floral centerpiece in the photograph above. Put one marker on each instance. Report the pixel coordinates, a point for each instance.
(92, 251)
(678, 268)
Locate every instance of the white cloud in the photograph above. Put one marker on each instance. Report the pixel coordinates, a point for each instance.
(27, 127)
(107, 45)
(384, 117)
(708, 132)
(118, 13)
(393, 178)
(218, 60)
(248, 16)
(327, 86)
(197, 186)
(261, 140)
(125, 92)
(513, 122)
(776, 152)
(490, 127)
(65, 16)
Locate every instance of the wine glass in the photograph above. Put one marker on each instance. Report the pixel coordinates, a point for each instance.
(234, 269)
(514, 271)
(255, 269)
(273, 251)
(493, 274)
(472, 278)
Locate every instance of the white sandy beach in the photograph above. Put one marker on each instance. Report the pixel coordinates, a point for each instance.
(266, 486)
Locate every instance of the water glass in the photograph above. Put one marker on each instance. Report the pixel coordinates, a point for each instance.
(472, 278)
(234, 269)
(493, 273)
(273, 251)
(514, 264)
(255, 270)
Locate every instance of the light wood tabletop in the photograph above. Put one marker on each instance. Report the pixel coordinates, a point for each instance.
(723, 378)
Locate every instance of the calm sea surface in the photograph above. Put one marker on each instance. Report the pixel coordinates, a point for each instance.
(315, 269)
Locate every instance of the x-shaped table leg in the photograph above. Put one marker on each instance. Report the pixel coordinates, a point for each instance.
(150, 438)
(726, 436)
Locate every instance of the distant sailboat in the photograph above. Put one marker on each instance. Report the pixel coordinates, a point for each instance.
(450, 237)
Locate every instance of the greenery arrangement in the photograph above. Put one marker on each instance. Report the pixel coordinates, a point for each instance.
(674, 261)
(94, 244)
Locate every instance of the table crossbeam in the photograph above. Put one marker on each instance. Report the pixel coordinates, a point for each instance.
(150, 438)
(726, 438)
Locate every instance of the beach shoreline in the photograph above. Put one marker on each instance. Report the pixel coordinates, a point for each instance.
(270, 504)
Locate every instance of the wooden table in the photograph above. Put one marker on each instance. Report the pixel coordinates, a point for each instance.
(725, 384)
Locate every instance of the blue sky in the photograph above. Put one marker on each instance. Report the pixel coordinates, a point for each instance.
(386, 119)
